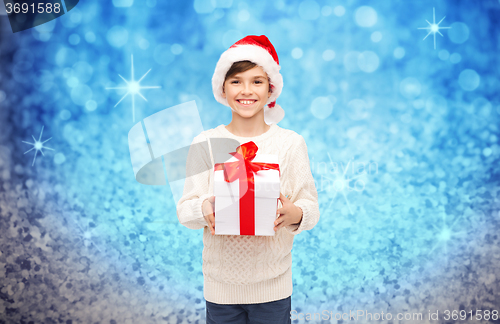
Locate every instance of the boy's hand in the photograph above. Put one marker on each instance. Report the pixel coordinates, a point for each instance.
(289, 214)
(208, 209)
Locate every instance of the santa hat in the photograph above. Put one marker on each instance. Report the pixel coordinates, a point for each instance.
(259, 50)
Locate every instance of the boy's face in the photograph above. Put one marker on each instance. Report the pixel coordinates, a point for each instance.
(247, 92)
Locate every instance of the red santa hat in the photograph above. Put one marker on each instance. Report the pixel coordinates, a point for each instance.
(259, 50)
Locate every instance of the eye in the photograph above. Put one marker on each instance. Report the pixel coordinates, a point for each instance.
(234, 82)
(258, 82)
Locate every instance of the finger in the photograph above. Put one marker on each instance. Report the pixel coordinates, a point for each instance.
(212, 199)
(282, 197)
(209, 223)
(280, 225)
(279, 220)
(212, 220)
(212, 223)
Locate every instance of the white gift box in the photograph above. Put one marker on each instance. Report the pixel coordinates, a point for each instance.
(227, 199)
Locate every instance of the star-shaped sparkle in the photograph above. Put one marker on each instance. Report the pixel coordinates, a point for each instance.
(434, 28)
(38, 146)
(133, 88)
(341, 184)
(86, 237)
(445, 234)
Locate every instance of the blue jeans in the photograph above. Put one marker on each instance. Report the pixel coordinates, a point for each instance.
(275, 312)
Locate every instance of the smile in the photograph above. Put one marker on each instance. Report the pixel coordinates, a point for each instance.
(248, 102)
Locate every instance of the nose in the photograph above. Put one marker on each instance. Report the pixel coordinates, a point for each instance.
(247, 88)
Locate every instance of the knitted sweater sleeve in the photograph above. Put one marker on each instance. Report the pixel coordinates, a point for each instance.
(304, 194)
(196, 185)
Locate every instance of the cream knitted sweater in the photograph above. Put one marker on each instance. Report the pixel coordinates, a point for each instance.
(249, 269)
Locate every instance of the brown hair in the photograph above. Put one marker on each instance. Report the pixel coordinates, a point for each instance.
(241, 66)
(238, 67)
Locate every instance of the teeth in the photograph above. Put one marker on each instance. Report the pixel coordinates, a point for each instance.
(247, 102)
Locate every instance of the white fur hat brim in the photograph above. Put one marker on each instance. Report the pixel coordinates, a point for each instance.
(261, 57)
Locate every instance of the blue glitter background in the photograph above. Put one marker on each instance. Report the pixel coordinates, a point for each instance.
(403, 141)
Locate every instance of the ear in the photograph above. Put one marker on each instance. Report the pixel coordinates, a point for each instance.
(223, 92)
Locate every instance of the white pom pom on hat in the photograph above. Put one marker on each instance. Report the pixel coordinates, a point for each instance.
(259, 50)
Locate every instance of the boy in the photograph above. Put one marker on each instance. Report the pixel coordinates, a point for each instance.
(248, 279)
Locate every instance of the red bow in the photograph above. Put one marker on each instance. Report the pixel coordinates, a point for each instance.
(244, 170)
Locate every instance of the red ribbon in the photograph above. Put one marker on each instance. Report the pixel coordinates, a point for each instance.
(244, 170)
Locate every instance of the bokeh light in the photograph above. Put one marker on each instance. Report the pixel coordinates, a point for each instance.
(328, 55)
(399, 53)
(368, 61)
(366, 16)
(443, 55)
(410, 88)
(469, 79)
(339, 10)
(458, 33)
(297, 53)
(117, 36)
(321, 107)
(376, 37)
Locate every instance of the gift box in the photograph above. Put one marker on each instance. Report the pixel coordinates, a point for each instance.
(246, 190)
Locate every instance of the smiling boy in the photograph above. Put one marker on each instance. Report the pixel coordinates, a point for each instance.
(248, 279)
(246, 93)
